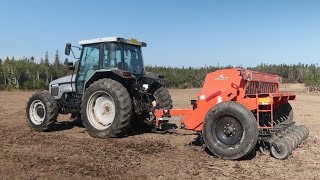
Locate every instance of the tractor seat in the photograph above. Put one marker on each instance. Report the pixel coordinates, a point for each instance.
(126, 66)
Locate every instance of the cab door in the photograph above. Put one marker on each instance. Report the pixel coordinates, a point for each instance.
(89, 63)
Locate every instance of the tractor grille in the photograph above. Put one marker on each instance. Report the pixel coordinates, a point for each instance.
(258, 88)
(54, 91)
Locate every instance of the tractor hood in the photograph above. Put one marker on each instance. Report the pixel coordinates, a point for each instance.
(63, 80)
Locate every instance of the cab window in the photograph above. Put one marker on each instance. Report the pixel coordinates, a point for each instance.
(89, 63)
(112, 55)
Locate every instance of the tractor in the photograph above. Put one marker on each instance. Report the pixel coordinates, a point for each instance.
(108, 90)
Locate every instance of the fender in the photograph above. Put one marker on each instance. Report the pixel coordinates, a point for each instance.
(153, 80)
(115, 74)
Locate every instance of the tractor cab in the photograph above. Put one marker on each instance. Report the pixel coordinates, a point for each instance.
(110, 53)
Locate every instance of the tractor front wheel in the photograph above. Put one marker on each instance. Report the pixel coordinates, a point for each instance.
(42, 111)
(230, 130)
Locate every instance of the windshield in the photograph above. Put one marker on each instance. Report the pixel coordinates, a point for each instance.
(123, 56)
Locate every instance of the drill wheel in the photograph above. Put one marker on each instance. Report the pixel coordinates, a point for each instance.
(300, 134)
(304, 135)
(294, 139)
(290, 142)
(264, 148)
(282, 149)
(305, 131)
(230, 131)
(297, 135)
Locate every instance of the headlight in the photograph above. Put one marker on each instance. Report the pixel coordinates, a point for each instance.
(54, 91)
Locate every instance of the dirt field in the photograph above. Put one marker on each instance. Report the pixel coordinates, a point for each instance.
(70, 153)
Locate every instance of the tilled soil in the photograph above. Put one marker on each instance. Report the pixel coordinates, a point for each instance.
(68, 152)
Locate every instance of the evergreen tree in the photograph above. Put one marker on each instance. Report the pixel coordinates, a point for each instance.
(47, 69)
(0, 61)
(56, 70)
(56, 60)
(32, 59)
(46, 59)
(66, 61)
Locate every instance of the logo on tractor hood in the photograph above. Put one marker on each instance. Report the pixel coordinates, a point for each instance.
(221, 77)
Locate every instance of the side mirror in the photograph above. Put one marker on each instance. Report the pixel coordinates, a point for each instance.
(67, 49)
(70, 66)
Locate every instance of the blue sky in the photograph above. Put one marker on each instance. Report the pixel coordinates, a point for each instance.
(178, 33)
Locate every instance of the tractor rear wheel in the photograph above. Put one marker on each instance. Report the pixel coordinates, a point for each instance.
(42, 111)
(106, 109)
(230, 130)
(162, 98)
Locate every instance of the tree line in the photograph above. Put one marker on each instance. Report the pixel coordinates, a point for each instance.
(188, 77)
(29, 74)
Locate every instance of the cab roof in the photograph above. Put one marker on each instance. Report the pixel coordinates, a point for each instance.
(113, 39)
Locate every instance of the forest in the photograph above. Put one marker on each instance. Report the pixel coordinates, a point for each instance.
(30, 74)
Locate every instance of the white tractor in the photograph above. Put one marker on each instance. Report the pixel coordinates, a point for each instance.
(109, 90)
